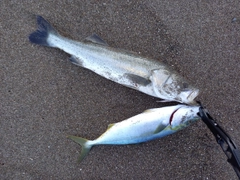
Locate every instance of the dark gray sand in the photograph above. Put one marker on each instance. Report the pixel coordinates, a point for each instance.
(44, 98)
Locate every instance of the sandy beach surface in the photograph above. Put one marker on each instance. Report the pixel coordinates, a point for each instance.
(44, 98)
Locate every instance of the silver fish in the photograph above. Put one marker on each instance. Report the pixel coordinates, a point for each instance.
(149, 125)
(127, 68)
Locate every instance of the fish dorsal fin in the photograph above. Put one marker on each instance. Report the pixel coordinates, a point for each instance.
(109, 126)
(95, 39)
(159, 128)
(149, 110)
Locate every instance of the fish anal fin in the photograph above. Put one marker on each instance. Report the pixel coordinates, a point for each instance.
(159, 128)
(95, 39)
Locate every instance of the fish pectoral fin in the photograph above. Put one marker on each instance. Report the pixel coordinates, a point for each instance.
(137, 79)
(95, 39)
(159, 128)
(76, 61)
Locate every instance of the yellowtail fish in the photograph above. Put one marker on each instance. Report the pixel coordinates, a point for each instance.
(149, 125)
(127, 68)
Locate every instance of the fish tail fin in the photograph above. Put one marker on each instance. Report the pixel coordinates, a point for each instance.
(85, 146)
(41, 35)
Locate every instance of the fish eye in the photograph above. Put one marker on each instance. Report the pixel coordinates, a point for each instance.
(185, 90)
(185, 85)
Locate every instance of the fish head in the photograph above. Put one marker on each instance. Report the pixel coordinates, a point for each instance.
(170, 86)
(184, 116)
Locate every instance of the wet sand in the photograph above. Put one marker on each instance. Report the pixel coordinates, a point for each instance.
(44, 98)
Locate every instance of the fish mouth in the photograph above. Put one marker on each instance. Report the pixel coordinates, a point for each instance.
(193, 95)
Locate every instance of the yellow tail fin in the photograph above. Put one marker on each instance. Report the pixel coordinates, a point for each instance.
(85, 147)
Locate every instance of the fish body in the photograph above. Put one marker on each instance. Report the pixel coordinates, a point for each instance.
(127, 68)
(149, 125)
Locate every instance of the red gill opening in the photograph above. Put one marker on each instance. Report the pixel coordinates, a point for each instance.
(171, 117)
